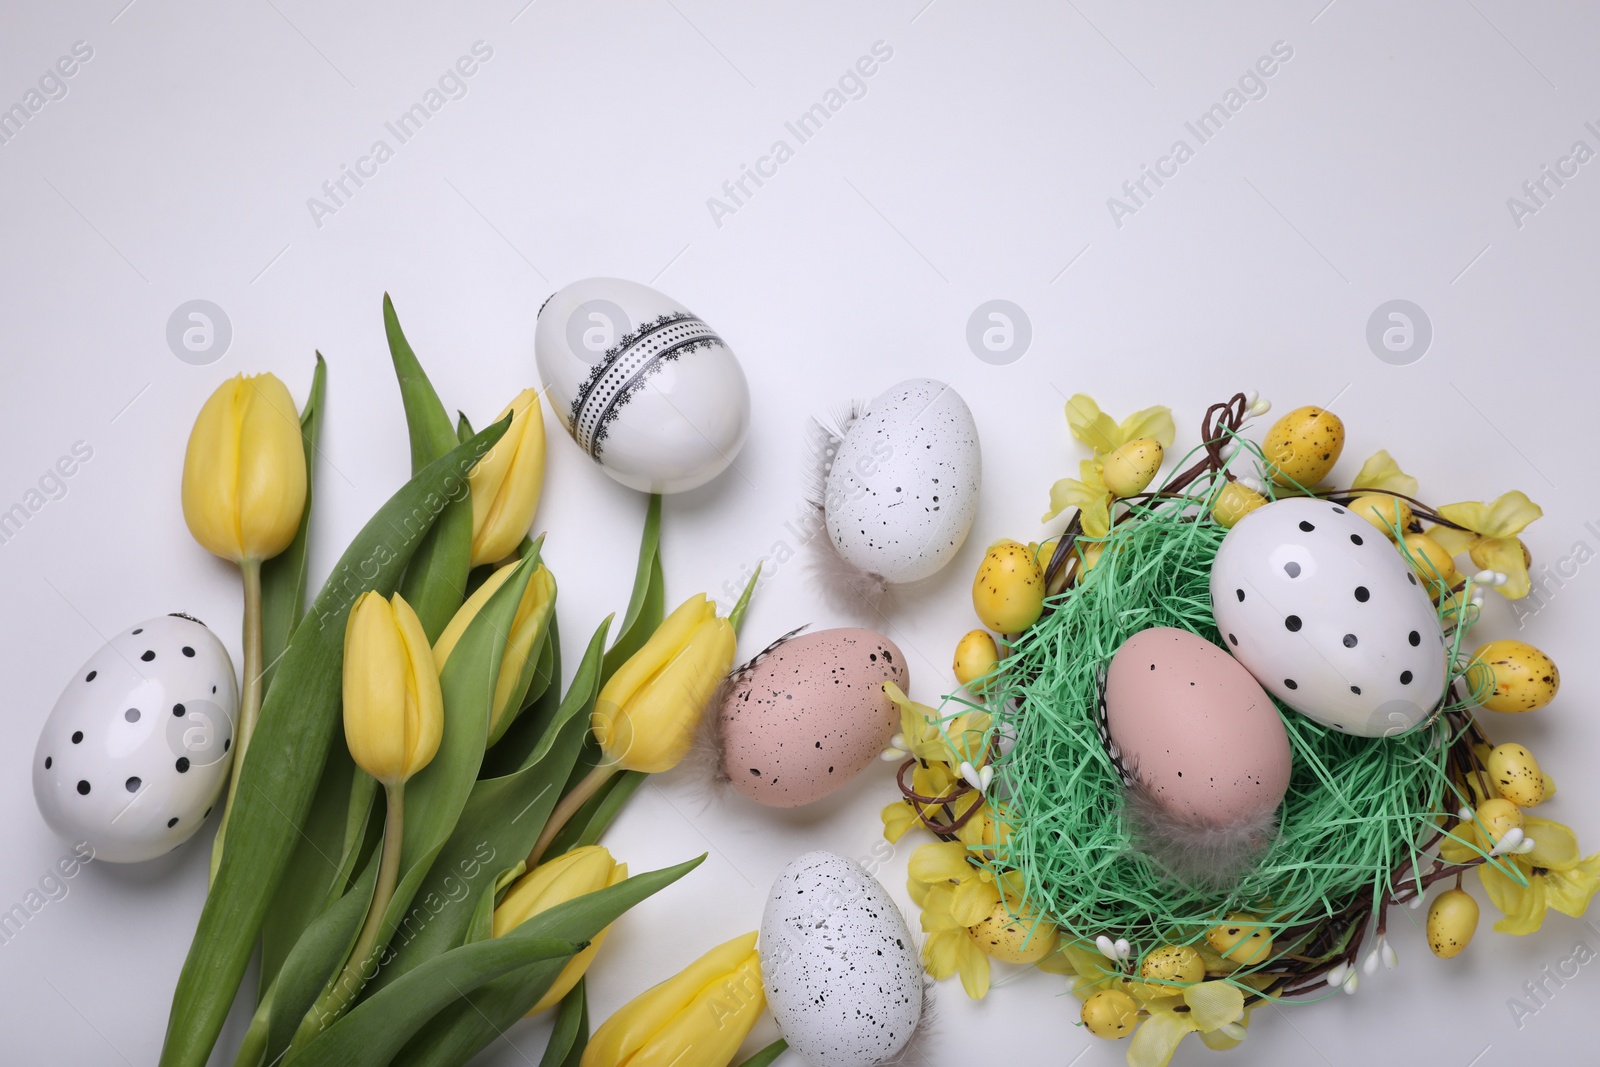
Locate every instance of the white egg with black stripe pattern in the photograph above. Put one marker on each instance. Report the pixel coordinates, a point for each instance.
(137, 749)
(1329, 617)
(838, 963)
(644, 386)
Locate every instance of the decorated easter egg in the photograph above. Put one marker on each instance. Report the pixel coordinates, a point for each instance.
(809, 714)
(1194, 729)
(643, 385)
(1327, 614)
(137, 749)
(902, 485)
(840, 969)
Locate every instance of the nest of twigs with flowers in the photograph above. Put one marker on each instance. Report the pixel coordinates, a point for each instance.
(1039, 857)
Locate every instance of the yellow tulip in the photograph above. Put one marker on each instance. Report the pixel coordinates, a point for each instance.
(524, 642)
(700, 1017)
(646, 715)
(506, 482)
(393, 709)
(567, 877)
(244, 472)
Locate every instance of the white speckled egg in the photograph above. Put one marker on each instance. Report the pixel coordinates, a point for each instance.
(137, 749)
(1328, 616)
(646, 388)
(841, 973)
(902, 487)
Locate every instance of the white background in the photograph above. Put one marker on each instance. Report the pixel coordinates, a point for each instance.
(977, 166)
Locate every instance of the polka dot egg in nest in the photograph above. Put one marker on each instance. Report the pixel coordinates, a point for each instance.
(1330, 618)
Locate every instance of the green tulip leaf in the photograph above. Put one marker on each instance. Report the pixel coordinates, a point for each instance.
(492, 1007)
(571, 1034)
(767, 1055)
(502, 819)
(647, 605)
(436, 582)
(316, 960)
(283, 577)
(362, 832)
(371, 1034)
(311, 881)
(299, 720)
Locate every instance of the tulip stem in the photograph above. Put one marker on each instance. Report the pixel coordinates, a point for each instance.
(357, 970)
(564, 811)
(249, 697)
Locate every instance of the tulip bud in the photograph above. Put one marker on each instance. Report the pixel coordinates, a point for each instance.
(522, 645)
(244, 472)
(393, 709)
(646, 715)
(567, 877)
(506, 482)
(700, 1017)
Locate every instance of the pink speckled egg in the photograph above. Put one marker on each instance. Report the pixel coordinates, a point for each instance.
(1194, 728)
(809, 715)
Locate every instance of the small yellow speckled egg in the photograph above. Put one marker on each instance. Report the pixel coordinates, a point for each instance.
(1130, 468)
(1008, 592)
(1088, 553)
(1524, 678)
(1013, 937)
(1241, 938)
(1110, 1014)
(1383, 511)
(1303, 446)
(976, 656)
(1174, 963)
(1452, 920)
(1498, 817)
(1234, 503)
(1515, 772)
(1431, 562)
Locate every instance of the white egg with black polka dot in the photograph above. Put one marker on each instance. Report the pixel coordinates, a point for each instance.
(1326, 613)
(136, 751)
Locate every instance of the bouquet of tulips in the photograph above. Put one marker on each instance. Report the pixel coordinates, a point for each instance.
(418, 928)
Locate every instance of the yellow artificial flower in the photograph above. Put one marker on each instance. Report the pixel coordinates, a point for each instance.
(393, 707)
(567, 877)
(1208, 1007)
(923, 734)
(1087, 493)
(989, 829)
(506, 482)
(1381, 474)
(646, 715)
(1556, 878)
(1104, 435)
(244, 471)
(934, 779)
(1489, 537)
(947, 866)
(949, 949)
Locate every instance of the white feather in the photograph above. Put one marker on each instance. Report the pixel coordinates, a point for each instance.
(1190, 850)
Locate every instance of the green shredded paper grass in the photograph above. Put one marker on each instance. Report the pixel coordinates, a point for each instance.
(1356, 809)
